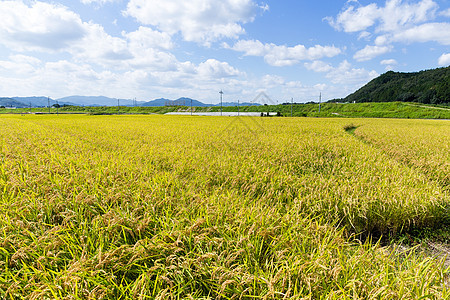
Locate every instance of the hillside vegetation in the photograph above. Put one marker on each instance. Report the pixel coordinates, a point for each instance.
(430, 86)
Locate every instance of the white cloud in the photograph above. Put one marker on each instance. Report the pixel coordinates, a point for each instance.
(41, 26)
(356, 19)
(370, 52)
(395, 15)
(318, 66)
(364, 35)
(388, 62)
(446, 13)
(89, 60)
(98, 63)
(60, 78)
(430, 32)
(345, 74)
(215, 69)
(18, 65)
(397, 21)
(280, 56)
(398, 14)
(99, 47)
(49, 28)
(100, 2)
(382, 40)
(271, 81)
(444, 60)
(202, 21)
(146, 37)
(149, 50)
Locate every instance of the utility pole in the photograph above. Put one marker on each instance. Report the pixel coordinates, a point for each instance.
(191, 107)
(48, 103)
(221, 98)
(238, 107)
(30, 107)
(118, 106)
(57, 107)
(320, 101)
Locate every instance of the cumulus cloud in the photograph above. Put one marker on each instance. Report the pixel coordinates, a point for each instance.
(396, 14)
(445, 13)
(20, 64)
(318, 66)
(430, 32)
(370, 52)
(271, 81)
(149, 49)
(213, 68)
(280, 56)
(99, 47)
(364, 35)
(202, 21)
(345, 74)
(388, 62)
(100, 2)
(49, 27)
(397, 21)
(355, 19)
(96, 61)
(444, 60)
(41, 26)
(63, 77)
(146, 37)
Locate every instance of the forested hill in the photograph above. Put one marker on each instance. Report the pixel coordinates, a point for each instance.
(430, 86)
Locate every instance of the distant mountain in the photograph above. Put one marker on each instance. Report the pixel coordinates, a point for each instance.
(180, 101)
(430, 86)
(187, 102)
(96, 101)
(156, 102)
(35, 101)
(194, 102)
(106, 101)
(10, 102)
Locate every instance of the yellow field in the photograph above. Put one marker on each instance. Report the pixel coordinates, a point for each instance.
(174, 207)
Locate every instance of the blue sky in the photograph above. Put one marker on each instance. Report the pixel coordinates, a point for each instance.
(175, 48)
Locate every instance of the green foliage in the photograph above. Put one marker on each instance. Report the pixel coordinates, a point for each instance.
(428, 87)
(329, 110)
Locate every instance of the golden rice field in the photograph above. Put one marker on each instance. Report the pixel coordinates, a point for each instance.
(181, 207)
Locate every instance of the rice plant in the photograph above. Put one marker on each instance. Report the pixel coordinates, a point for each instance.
(179, 207)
